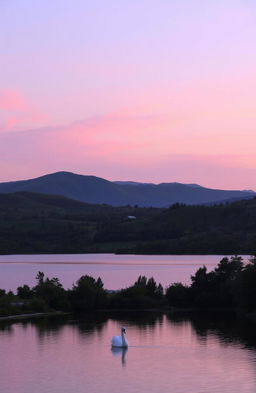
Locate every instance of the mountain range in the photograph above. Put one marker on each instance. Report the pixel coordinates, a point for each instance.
(92, 189)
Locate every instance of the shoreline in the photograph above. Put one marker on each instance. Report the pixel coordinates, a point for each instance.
(171, 310)
(121, 253)
(34, 315)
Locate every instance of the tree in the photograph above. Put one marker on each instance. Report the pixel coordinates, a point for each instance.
(228, 269)
(24, 292)
(88, 294)
(246, 293)
(40, 278)
(51, 291)
(2, 292)
(177, 295)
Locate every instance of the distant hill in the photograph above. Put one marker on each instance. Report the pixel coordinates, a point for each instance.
(92, 189)
(41, 223)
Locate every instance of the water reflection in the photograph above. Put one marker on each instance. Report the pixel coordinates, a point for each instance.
(203, 353)
(227, 327)
(140, 319)
(6, 327)
(120, 352)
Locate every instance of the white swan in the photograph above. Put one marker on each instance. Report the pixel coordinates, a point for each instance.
(120, 341)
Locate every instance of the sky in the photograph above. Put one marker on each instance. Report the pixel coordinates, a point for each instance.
(143, 90)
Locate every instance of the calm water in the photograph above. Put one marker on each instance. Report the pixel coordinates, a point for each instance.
(117, 271)
(165, 355)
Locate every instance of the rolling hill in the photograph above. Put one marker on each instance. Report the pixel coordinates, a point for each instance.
(92, 189)
(41, 223)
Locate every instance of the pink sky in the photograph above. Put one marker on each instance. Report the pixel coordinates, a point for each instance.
(129, 91)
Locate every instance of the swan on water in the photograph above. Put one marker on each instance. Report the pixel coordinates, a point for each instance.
(120, 341)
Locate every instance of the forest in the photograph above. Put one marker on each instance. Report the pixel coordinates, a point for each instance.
(32, 223)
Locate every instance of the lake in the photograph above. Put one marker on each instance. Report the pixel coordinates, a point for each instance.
(116, 271)
(165, 354)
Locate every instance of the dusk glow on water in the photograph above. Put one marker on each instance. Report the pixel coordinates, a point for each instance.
(165, 354)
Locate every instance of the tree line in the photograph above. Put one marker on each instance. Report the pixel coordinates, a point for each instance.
(232, 284)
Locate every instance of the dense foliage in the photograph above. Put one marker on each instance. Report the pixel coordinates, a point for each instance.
(39, 223)
(232, 284)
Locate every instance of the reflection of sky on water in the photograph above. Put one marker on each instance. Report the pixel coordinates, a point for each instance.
(165, 354)
(117, 271)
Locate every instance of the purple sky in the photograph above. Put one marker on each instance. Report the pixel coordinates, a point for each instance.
(140, 90)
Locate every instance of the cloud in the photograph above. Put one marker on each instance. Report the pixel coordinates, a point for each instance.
(12, 100)
(175, 134)
(144, 148)
(17, 112)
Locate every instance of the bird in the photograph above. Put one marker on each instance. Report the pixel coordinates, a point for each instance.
(120, 341)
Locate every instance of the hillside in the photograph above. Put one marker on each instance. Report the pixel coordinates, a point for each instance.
(39, 223)
(92, 189)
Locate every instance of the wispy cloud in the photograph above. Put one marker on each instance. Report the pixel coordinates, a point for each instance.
(140, 147)
(16, 111)
(12, 100)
